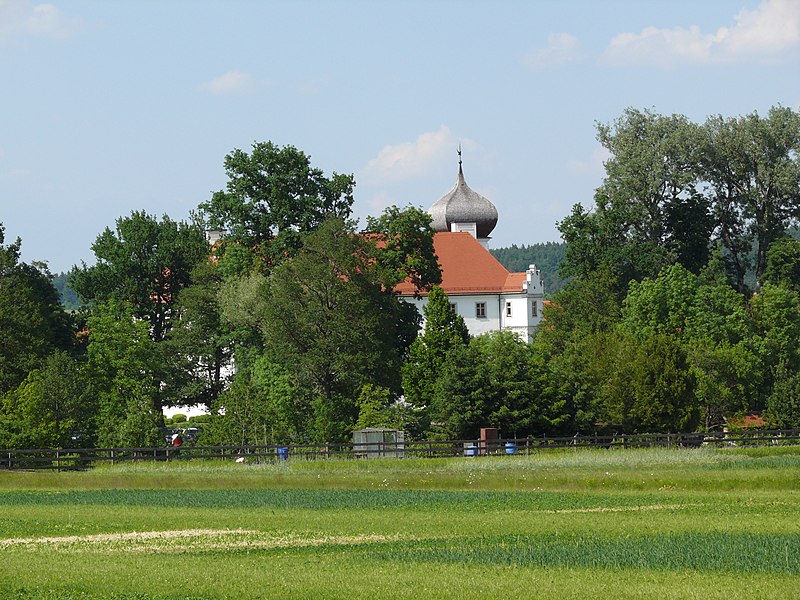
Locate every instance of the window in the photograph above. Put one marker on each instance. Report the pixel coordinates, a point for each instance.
(454, 307)
(480, 310)
(534, 309)
(508, 309)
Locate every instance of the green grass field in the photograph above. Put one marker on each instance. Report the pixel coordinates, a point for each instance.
(699, 523)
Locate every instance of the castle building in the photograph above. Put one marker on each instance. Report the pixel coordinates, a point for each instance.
(481, 290)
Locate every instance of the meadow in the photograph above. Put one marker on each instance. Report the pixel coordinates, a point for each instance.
(577, 523)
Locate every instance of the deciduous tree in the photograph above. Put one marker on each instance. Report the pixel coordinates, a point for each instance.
(444, 331)
(273, 195)
(145, 263)
(32, 322)
(752, 165)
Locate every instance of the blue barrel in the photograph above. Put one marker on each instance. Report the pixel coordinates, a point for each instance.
(471, 450)
(511, 448)
(283, 453)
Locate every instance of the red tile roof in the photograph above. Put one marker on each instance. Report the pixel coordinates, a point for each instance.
(468, 268)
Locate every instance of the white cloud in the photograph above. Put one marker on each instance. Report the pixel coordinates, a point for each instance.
(232, 83)
(592, 166)
(561, 48)
(21, 18)
(45, 20)
(761, 35)
(410, 160)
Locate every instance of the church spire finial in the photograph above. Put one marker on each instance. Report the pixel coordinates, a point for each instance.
(459, 154)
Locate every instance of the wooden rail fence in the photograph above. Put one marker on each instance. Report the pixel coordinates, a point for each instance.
(82, 458)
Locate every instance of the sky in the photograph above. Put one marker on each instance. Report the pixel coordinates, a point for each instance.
(111, 107)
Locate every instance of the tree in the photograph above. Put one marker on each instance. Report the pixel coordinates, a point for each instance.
(492, 382)
(262, 406)
(783, 263)
(752, 165)
(124, 371)
(272, 196)
(199, 346)
(407, 251)
(144, 263)
(32, 322)
(444, 331)
(680, 303)
(783, 405)
(708, 318)
(461, 399)
(647, 385)
(49, 409)
(327, 318)
(649, 213)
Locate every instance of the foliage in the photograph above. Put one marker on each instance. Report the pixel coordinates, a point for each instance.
(199, 346)
(783, 405)
(776, 319)
(673, 188)
(490, 382)
(646, 385)
(49, 409)
(69, 297)
(32, 322)
(752, 165)
(124, 368)
(783, 263)
(444, 331)
(680, 303)
(144, 263)
(648, 213)
(273, 195)
(326, 316)
(406, 247)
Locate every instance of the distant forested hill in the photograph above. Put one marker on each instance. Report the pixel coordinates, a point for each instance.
(69, 297)
(545, 256)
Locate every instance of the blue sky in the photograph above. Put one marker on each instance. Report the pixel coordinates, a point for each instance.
(109, 107)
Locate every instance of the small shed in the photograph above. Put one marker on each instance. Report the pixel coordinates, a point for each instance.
(377, 442)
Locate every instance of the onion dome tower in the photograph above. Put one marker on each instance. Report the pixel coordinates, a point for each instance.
(464, 209)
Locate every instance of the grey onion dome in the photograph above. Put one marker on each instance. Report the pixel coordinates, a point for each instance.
(462, 204)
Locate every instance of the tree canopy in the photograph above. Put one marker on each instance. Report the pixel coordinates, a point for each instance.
(273, 194)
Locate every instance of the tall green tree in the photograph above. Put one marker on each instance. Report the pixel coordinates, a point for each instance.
(273, 194)
(783, 404)
(49, 409)
(648, 212)
(752, 166)
(262, 406)
(776, 322)
(493, 381)
(783, 263)
(32, 322)
(444, 331)
(407, 251)
(144, 262)
(199, 346)
(646, 385)
(124, 372)
(328, 318)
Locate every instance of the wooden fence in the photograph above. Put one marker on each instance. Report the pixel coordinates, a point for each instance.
(82, 458)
